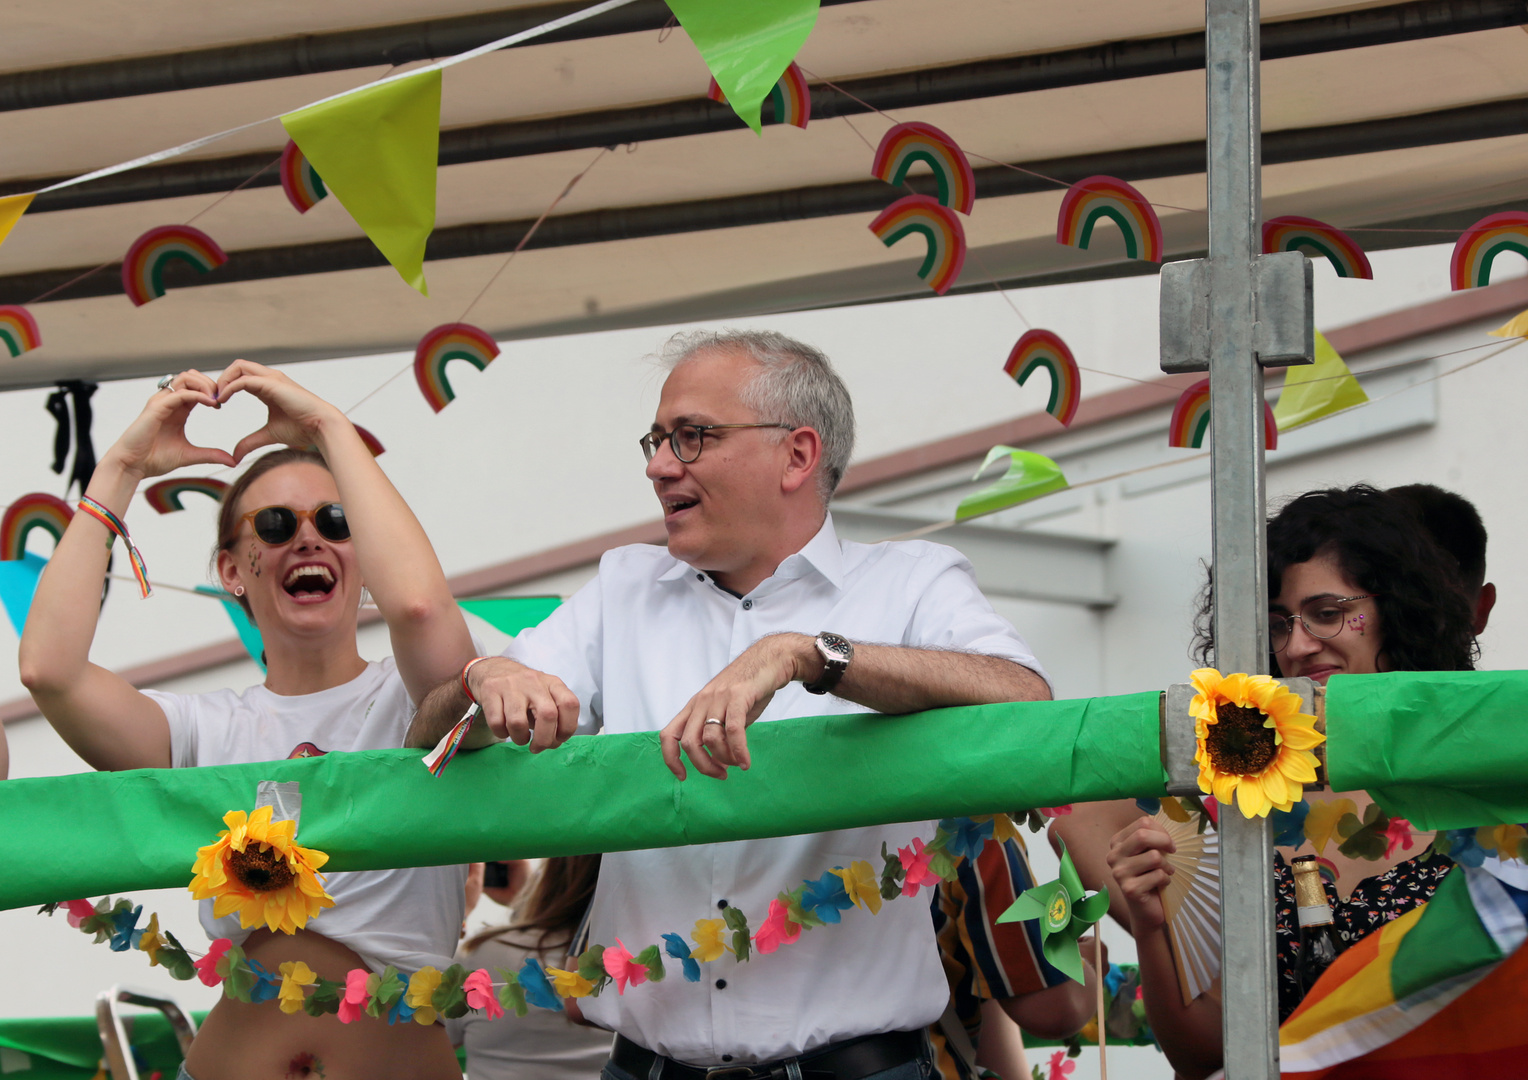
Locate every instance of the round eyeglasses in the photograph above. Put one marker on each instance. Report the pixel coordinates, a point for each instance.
(277, 525)
(1323, 617)
(687, 440)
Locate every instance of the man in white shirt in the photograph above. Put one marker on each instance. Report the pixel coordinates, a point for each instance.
(759, 605)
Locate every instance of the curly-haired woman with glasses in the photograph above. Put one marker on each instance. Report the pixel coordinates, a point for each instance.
(299, 533)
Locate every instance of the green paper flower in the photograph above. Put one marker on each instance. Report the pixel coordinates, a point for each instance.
(1065, 910)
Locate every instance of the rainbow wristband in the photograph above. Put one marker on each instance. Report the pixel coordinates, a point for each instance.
(466, 668)
(114, 523)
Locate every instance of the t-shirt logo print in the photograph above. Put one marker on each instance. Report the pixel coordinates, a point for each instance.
(307, 749)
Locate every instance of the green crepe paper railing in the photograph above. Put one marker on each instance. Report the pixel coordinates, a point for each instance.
(94, 833)
(1442, 749)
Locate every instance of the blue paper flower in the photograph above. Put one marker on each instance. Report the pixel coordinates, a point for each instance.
(125, 936)
(400, 1013)
(675, 946)
(826, 897)
(1149, 806)
(1464, 849)
(1289, 825)
(1114, 980)
(967, 837)
(267, 985)
(537, 987)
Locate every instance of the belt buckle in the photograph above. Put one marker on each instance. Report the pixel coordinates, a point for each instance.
(730, 1072)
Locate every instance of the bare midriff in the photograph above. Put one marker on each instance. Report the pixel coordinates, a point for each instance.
(260, 1042)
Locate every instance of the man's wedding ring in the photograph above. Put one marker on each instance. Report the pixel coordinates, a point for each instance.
(712, 721)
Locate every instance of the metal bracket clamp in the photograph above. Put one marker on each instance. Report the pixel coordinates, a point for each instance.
(1179, 741)
(1285, 333)
(114, 1034)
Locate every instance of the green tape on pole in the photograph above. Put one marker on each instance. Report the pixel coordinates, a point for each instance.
(1443, 749)
(95, 833)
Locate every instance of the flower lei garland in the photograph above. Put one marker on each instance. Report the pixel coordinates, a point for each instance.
(429, 992)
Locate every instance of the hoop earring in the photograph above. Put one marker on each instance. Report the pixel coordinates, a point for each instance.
(238, 590)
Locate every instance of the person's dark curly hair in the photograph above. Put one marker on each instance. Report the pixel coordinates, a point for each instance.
(1424, 614)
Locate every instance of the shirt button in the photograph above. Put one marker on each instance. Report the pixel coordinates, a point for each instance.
(700, 577)
(721, 984)
(747, 605)
(726, 1057)
(721, 905)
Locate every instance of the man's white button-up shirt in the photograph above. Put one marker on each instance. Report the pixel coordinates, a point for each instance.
(635, 645)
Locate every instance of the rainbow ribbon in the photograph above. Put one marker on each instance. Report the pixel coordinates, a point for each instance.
(437, 760)
(114, 523)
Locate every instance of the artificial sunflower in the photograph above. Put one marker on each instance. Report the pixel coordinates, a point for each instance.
(1253, 742)
(257, 869)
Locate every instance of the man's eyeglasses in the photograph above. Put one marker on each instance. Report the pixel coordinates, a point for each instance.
(1324, 617)
(686, 440)
(276, 525)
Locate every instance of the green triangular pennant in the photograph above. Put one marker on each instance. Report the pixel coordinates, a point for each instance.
(747, 44)
(1029, 476)
(511, 614)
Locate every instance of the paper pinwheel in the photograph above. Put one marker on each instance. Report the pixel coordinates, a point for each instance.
(1065, 910)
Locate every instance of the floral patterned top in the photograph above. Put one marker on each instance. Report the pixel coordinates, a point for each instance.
(1375, 901)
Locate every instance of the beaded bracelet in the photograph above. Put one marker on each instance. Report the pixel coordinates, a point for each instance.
(114, 523)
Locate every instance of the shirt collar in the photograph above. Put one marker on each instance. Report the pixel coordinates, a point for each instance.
(821, 553)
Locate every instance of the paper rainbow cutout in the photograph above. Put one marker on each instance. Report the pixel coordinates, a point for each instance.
(939, 226)
(1097, 197)
(143, 267)
(1490, 236)
(18, 330)
(913, 141)
(39, 510)
(791, 95)
(165, 496)
(300, 180)
(452, 341)
(1292, 233)
(1191, 419)
(373, 443)
(1042, 350)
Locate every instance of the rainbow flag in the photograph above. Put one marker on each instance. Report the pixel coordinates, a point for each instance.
(1440, 993)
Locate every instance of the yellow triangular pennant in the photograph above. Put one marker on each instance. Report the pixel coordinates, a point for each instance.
(1518, 327)
(377, 151)
(1312, 391)
(11, 209)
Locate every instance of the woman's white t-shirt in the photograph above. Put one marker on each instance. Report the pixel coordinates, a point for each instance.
(409, 918)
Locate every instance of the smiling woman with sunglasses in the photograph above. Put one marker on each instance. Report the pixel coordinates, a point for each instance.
(299, 533)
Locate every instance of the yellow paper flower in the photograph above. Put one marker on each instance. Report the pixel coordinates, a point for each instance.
(1254, 743)
(294, 976)
(569, 983)
(862, 885)
(152, 940)
(421, 989)
(1503, 839)
(1322, 820)
(1003, 828)
(708, 940)
(257, 869)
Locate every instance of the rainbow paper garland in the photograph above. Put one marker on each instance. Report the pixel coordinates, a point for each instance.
(912, 142)
(299, 180)
(1098, 197)
(1191, 420)
(1477, 248)
(18, 330)
(39, 510)
(791, 95)
(939, 226)
(165, 496)
(1042, 350)
(1294, 233)
(144, 265)
(452, 341)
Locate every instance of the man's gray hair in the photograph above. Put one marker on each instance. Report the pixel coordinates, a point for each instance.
(797, 386)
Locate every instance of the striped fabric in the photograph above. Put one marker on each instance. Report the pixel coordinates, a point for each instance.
(1439, 993)
(982, 959)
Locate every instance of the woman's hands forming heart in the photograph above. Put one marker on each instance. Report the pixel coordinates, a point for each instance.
(294, 416)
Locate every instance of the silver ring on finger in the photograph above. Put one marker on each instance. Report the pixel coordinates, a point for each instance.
(167, 383)
(711, 721)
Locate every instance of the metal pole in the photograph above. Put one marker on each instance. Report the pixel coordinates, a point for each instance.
(1249, 1011)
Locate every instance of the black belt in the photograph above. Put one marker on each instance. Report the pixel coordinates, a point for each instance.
(847, 1060)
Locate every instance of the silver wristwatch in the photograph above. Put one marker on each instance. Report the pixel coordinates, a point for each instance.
(836, 653)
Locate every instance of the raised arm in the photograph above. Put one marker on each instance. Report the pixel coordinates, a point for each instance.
(429, 636)
(99, 714)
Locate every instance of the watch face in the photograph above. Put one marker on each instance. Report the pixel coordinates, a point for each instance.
(836, 647)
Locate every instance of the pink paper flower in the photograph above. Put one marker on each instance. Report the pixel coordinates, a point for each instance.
(207, 966)
(79, 911)
(1055, 811)
(353, 1004)
(1398, 835)
(777, 929)
(915, 862)
(1060, 1067)
(480, 994)
(622, 968)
